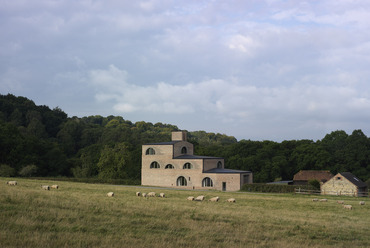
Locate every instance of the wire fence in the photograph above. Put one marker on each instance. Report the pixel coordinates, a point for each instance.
(340, 193)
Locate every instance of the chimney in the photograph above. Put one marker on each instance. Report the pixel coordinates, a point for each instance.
(179, 136)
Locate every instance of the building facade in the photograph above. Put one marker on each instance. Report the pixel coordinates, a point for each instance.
(173, 164)
(344, 183)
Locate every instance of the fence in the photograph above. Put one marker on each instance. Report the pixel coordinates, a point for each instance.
(342, 193)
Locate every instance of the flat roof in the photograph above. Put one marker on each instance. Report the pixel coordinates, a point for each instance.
(195, 157)
(163, 143)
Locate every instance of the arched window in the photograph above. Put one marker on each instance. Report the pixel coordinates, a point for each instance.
(154, 165)
(184, 150)
(181, 181)
(207, 182)
(169, 166)
(219, 165)
(187, 166)
(150, 151)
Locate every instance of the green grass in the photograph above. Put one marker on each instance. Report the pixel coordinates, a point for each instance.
(81, 215)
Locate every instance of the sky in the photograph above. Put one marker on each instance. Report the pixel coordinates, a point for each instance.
(257, 69)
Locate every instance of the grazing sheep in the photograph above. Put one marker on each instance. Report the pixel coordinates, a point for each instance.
(315, 200)
(12, 183)
(110, 194)
(55, 186)
(144, 194)
(362, 203)
(231, 200)
(340, 202)
(214, 199)
(199, 198)
(323, 200)
(138, 194)
(347, 207)
(151, 194)
(45, 187)
(162, 195)
(190, 198)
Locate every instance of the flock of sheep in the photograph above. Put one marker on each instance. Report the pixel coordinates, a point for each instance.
(346, 206)
(44, 187)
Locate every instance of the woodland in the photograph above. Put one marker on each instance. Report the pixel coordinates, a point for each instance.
(36, 141)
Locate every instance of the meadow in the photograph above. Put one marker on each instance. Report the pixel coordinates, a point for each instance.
(81, 215)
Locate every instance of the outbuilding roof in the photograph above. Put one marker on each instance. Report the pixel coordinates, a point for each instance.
(353, 179)
(305, 175)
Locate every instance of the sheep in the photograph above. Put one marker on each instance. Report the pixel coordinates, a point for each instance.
(323, 200)
(231, 200)
(214, 199)
(144, 194)
(362, 203)
(151, 194)
(162, 195)
(110, 194)
(55, 186)
(315, 200)
(190, 198)
(347, 207)
(12, 183)
(45, 187)
(340, 202)
(138, 194)
(199, 198)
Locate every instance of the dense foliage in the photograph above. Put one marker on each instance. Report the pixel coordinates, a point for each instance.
(39, 141)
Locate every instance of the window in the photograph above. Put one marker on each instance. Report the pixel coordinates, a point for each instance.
(207, 182)
(184, 150)
(219, 165)
(169, 166)
(181, 181)
(150, 151)
(154, 165)
(187, 166)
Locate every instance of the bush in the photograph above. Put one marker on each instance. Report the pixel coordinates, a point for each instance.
(314, 183)
(28, 171)
(6, 171)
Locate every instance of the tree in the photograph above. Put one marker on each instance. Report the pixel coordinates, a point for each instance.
(113, 161)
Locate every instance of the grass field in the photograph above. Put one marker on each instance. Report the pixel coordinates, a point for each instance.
(81, 215)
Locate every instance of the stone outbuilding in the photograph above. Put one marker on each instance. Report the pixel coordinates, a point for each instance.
(344, 183)
(303, 176)
(173, 164)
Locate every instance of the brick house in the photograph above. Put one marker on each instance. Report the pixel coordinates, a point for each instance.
(344, 183)
(303, 176)
(173, 164)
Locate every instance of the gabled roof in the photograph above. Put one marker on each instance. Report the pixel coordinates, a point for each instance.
(305, 175)
(353, 179)
(219, 170)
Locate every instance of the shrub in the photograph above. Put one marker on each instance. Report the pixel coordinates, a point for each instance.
(6, 171)
(273, 188)
(314, 183)
(28, 171)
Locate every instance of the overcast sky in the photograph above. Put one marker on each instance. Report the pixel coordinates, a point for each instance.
(259, 70)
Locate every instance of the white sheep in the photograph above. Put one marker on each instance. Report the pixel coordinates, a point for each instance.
(190, 198)
(55, 186)
(340, 202)
(315, 200)
(138, 194)
(144, 194)
(45, 187)
(323, 200)
(214, 199)
(12, 183)
(151, 194)
(162, 195)
(110, 194)
(231, 200)
(199, 198)
(347, 207)
(362, 203)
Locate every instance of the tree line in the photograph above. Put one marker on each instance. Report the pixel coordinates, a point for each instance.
(39, 141)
